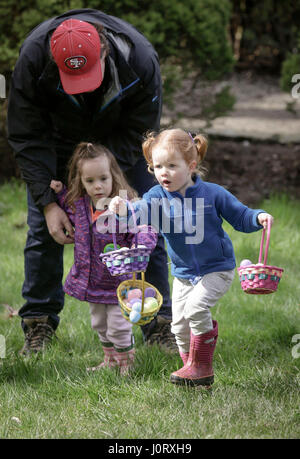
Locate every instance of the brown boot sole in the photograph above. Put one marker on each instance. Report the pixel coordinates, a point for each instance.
(207, 381)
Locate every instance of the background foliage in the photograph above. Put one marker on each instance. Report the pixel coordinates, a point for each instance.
(210, 35)
(193, 32)
(204, 38)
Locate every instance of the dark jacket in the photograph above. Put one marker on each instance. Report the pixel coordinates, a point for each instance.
(45, 123)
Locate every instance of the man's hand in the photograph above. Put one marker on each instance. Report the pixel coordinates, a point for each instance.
(57, 222)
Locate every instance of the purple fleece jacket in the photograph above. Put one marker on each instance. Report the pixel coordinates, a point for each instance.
(89, 279)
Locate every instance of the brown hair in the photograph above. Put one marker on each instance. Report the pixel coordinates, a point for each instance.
(191, 148)
(103, 40)
(84, 151)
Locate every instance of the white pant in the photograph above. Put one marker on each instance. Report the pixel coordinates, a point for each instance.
(191, 305)
(111, 326)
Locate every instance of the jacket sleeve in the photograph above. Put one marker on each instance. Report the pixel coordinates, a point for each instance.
(139, 113)
(241, 217)
(29, 126)
(146, 235)
(61, 200)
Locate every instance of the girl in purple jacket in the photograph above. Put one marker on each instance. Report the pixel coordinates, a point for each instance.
(94, 176)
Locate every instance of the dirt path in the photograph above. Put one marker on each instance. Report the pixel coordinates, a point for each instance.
(254, 151)
(262, 111)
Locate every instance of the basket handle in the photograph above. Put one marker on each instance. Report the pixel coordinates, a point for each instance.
(267, 243)
(135, 227)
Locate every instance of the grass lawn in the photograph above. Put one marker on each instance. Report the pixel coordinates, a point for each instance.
(256, 389)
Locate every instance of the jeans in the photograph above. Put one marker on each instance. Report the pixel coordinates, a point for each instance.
(42, 288)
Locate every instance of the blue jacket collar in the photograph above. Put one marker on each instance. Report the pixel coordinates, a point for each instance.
(190, 191)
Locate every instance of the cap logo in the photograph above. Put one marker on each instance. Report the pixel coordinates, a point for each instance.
(75, 62)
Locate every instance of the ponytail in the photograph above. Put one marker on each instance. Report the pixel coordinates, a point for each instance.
(201, 145)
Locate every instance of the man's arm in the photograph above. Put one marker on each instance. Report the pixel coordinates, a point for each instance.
(29, 126)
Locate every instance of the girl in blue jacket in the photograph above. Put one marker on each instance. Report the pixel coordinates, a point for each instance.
(189, 212)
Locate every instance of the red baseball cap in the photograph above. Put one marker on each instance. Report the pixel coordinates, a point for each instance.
(76, 47)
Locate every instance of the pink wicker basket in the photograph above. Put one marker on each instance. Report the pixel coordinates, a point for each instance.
(127, 261)
(261, 278)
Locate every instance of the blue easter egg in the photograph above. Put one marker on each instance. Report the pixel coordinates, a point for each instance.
(134, 316)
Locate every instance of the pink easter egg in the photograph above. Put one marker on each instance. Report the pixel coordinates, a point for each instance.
(135, 293)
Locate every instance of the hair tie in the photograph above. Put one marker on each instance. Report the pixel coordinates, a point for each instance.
(191, 137)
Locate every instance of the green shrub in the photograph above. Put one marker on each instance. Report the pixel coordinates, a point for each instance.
(264, 32)
(191, 33)
(290, 67)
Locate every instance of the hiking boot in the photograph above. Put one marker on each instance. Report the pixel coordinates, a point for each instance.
(37, 335)
(161, 334)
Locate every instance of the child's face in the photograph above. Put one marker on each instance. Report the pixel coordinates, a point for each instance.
(171, 170)
(96, 178)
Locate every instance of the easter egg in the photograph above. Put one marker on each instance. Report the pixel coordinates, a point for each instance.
(134, 316)
(136, 305)
(110, 248)
(150, 304)
(127, 290)
(246, 262)
(135, 293)
(134, 300)
(150, 292)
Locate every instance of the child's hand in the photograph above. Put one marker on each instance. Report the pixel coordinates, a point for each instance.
(56, 185)
(118, 206)
(263, 219)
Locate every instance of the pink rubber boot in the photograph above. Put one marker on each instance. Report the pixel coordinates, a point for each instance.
(198, 370)
(109, 361)
(184, 357)
(125, 360)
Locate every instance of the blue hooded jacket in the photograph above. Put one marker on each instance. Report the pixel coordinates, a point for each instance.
(192, 226)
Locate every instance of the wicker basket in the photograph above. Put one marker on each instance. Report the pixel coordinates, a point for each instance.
(146, 317)
(126, 260)
(260, 279)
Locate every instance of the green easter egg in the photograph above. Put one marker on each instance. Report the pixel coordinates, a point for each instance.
(110, 248)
